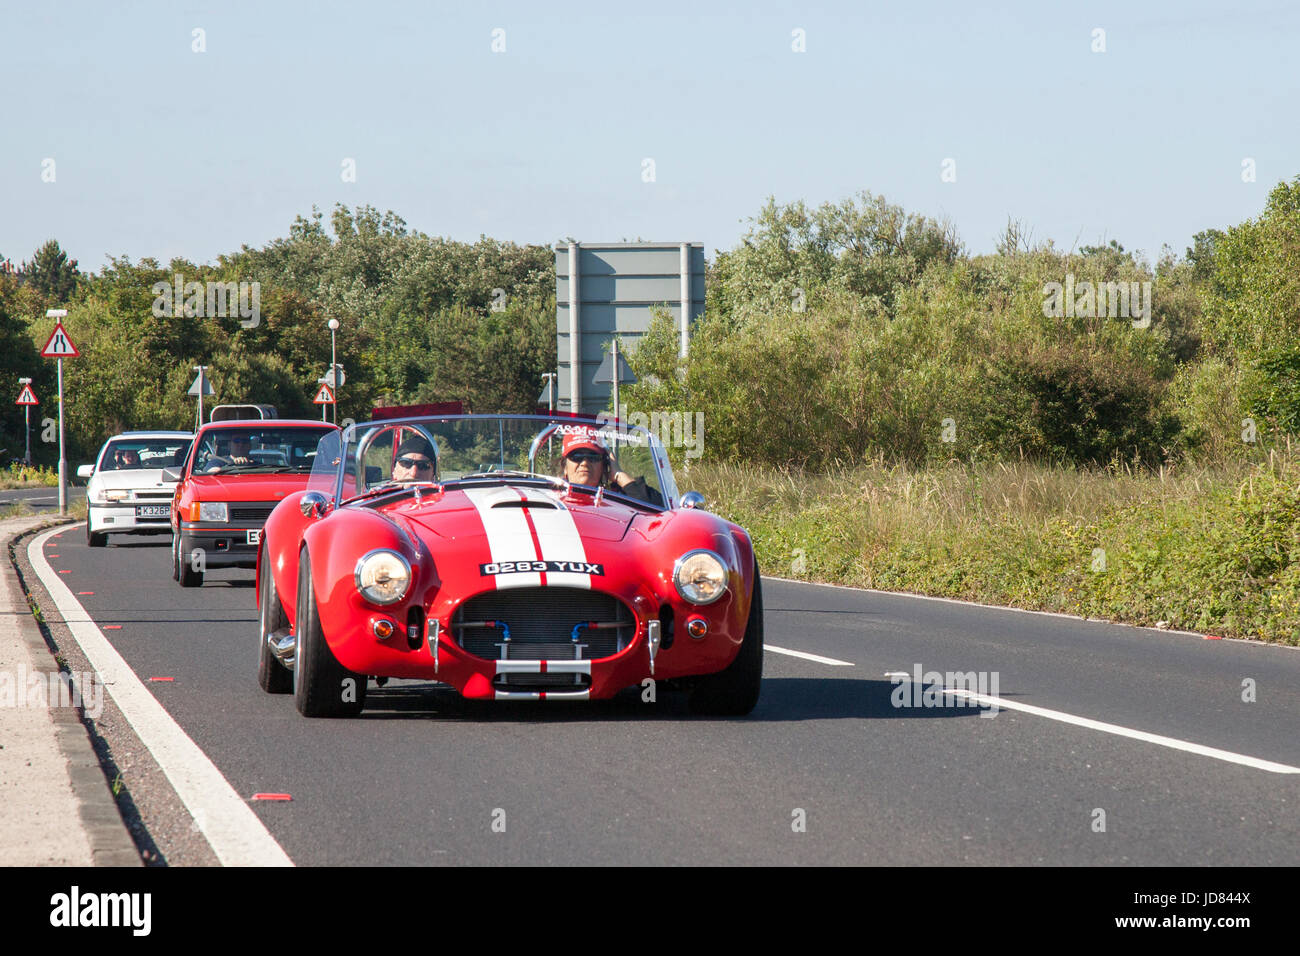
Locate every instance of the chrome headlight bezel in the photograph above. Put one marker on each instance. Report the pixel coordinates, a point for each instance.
(684, 589)
(214, 511)
(367, 591)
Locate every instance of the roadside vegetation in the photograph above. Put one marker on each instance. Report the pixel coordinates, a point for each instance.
(18, 475)
(900, 412)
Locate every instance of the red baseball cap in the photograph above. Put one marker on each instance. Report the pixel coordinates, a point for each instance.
(583, 438)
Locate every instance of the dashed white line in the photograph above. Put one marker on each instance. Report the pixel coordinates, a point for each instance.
(804, 655)
(1171, 742)
(234, 831)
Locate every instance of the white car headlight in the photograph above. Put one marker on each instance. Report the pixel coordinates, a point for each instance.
(382, 577)
(700, 577)
(213, 511)
(116, 494)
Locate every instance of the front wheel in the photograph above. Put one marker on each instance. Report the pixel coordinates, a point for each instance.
(93, 539)
(322, 687)
(272, 676)
(734, 691)
(183, 568)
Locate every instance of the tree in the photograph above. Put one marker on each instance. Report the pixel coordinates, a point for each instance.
(51, 273)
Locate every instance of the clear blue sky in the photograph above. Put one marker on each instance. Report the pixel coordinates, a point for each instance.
(162, 151)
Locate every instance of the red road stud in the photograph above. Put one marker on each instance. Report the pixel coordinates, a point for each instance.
(1213, 637)
(85, 592)
(163, 678)
(271, 796)
(112, 627)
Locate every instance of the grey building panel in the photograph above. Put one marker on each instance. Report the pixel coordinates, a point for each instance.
(646, 290)
(619, 283)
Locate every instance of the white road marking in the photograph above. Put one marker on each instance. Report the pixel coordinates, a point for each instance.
(804, 655)
(233, 830)
(1171, 742)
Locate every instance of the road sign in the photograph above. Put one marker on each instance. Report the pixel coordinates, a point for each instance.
(605, 374)
(27, 396)
(59, 346)
(328, 378)
(324, 396)
(201, 386)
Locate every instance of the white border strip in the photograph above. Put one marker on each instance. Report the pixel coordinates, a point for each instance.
(230, 826)
(1171, 742)
(804, 655)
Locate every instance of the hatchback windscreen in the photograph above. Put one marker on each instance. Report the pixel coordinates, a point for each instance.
(133, 454)
(257, 449)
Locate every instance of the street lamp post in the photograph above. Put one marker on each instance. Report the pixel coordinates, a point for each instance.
(334, 374)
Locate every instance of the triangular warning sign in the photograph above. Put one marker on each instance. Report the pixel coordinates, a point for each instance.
(324, 397)
(59, 345)
(27, 396)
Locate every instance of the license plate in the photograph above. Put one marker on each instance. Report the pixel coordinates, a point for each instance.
(153, 511)
(255, 537)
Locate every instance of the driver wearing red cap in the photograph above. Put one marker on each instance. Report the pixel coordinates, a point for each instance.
(588, 462)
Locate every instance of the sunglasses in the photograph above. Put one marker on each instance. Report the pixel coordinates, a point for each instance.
(585, 456)
(418, 463)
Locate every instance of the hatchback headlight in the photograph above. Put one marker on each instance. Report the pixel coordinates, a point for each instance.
(382, 577)
(209, 511)
(116, 494)
(700, 577)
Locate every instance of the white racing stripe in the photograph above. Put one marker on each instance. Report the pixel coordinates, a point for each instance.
(507, 533)
(1171, 742)
(804, 655)
(558, 535)
(236, 835)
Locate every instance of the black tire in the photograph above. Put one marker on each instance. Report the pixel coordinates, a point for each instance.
(95, 540)
(272, 676)
(176, 561)
(734, 691)
(320, 682)
(184, 568)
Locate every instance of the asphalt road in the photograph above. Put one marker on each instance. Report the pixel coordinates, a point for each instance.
(422, 777)
(40, 499)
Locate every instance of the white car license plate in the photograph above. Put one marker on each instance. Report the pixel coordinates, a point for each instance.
(153, 511)
(255, 537)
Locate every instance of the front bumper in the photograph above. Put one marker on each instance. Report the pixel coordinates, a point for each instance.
(121, 518)
(223, 546)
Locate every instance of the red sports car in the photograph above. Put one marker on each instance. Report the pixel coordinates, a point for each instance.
(235, 474)
(510, 556)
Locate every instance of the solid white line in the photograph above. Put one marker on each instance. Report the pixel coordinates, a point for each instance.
(234, 831)
(1171, 742)
(807, 657)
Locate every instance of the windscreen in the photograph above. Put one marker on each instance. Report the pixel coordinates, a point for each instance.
(257, 449)
(137, 454)
(472, 448)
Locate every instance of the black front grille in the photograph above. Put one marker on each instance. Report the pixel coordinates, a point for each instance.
(541, 621)
(257, 513)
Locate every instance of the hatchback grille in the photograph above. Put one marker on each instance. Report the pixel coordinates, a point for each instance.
(251, 512)
(541, 623)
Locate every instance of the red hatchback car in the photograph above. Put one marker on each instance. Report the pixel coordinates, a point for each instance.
(484, 552)
(236, 473)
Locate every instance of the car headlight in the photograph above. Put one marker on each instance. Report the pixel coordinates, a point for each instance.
(700, 577)
(116, 494)
(209, 511)
(382, 577)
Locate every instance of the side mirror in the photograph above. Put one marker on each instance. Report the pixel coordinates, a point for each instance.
(692, 499)
(313, 504)
(85, 471)
(171, 476)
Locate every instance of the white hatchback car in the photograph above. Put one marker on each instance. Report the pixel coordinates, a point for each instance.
(126, 493)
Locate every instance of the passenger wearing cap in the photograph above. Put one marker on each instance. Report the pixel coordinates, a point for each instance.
(415, 460)
(588, 462)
